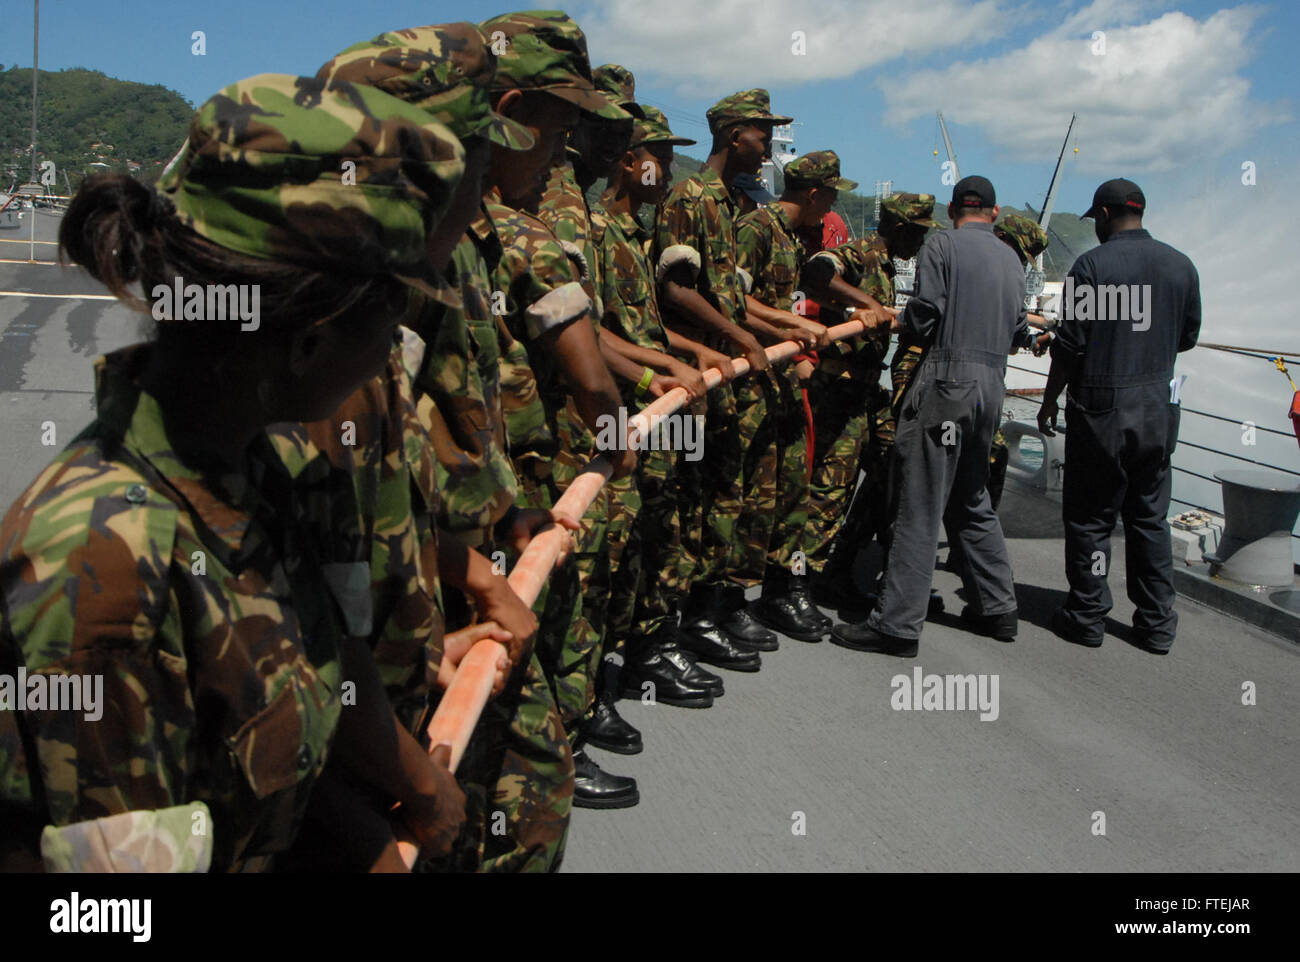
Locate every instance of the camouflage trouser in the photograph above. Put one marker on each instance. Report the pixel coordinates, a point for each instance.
(711, 490)
(517, 773)
(625, 504)
(757, 406)
(790, 423)
(872, 512)
(998, 456)
(568, 639)
(520, 749)
(843, 404)
(651, 573)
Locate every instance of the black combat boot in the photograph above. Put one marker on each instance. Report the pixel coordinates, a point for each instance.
(704, 637)
(672, 675)
(593, 787)
(606, 728)
(801, 595)
(781, 612)
(739, 622)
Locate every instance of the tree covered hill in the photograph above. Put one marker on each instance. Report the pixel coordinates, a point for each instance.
(86, 117)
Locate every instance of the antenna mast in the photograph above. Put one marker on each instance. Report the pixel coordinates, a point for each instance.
(1046, 215)
(947, 145)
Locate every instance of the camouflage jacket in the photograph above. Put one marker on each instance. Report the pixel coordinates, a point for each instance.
(461, 372)
(866, 265)
(696, 224)
(564, 210)
(200, 602)
(538, 284)
(863, 263)
(377, 442)
(768, 248)
(631, 306)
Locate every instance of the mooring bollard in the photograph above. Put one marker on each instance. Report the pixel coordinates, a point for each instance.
(1260, 510)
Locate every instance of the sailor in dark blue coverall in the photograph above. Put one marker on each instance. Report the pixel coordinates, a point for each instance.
(968, 306)
(1128, 308)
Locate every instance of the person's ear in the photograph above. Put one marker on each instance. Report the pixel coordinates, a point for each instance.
(996, 210)
(734, 134)
(509, 102)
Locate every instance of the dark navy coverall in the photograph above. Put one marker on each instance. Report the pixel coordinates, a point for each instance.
(968, 304)
(1121, 425)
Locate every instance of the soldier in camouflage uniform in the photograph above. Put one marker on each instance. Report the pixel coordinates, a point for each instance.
(651, 571)
(514, 765)
(702, 296)
(167, 550)
(858, 432)
(596, 143)
(772, 253)
(551, 358)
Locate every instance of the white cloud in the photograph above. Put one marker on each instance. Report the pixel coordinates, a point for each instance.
(733, 44)
(1246, 256)
(1162, 90)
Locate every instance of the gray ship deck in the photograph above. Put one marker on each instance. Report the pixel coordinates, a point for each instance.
(1188, 777)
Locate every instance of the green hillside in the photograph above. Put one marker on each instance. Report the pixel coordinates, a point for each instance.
(132, 123)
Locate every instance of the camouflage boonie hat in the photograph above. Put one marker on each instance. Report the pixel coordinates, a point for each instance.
(1023, 234)
(444, 69)
(262, 172)
(910, 208)
(653, 128)
(820, 168)
(545, 50)
(747, 106)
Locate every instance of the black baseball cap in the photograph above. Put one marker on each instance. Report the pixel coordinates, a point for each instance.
(1118, 193)
(753, 185)
(977, 185)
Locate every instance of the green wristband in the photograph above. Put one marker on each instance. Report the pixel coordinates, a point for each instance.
(643, 385)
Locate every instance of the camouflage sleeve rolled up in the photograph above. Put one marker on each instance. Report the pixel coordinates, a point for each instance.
(174, 839)
(564, 210)
(537, 284)
(696, 225)
(767, 248)
(865, 264)
(679, 234)
(631, 308)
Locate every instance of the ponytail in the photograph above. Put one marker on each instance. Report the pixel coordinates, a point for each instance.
(112, 229)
